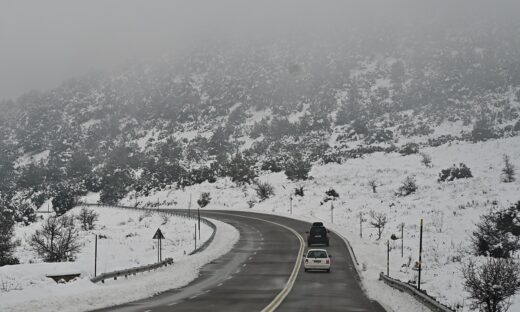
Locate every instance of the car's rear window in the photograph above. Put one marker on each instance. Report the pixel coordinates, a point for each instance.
(318, 231)
(317, 254)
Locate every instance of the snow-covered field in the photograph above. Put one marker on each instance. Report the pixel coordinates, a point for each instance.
(128, 243)
(450, 210)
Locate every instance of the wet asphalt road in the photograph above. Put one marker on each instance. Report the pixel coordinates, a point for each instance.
(250, 276)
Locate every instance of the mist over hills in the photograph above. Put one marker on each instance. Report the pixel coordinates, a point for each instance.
(226, 104)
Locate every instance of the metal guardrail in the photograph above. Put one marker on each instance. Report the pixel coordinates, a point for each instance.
(419, 295)
(132, 271)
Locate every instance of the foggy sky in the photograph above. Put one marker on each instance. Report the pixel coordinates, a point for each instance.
(43, 42)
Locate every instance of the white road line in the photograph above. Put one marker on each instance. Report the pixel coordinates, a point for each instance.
(220, 284)
(172, 304)
(244, 264)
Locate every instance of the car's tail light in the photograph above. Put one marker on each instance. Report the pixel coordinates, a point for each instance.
(306, 260)
(327, 261)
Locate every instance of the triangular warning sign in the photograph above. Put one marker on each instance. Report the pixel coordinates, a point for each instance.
(158, 234)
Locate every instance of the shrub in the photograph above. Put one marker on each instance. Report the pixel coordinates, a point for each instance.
(498, 233)
(332, 193)
(6, 235)
(450, 174)
(264, 190)
(241, 169)
(426, 160)
(25, 214)
(87, 219)
(297, 168)
(373, 184)
(508, 172)
(299, 191)
(63, 201)
(482, 130)
(272, 164)
(409, 149)
(57, 240)
(204, 199)
(492, 284)
(408, 186)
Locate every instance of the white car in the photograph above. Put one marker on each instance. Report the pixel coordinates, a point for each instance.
(317, 259)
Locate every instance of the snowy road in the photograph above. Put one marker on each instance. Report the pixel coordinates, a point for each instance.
(257, 269)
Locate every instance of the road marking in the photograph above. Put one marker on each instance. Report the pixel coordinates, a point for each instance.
(292, 278)
(244, 264)
(173, 303)
(193, 297)
(250, 258)
(220, 284)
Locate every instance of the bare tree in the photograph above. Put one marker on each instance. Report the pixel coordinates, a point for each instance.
(508, 172)
(426, 160)
(378, 221)
(87, 218)
(57, 240)
(492, 284)
(373, 183)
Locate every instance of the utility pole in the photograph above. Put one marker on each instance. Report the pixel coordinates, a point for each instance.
(95, 256)
(331, 212)
(402, 238)
(195, 236)
(361, 224)
(388, 258)
(420, 257)
(198, 216)
(189, 207)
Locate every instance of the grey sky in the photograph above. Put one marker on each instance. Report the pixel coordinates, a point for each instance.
(43, 42)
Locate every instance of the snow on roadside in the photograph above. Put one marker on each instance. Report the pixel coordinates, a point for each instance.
(32, 290)
(450, 209)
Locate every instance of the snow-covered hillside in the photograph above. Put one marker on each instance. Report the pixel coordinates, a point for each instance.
(449, 209)
(127, 242)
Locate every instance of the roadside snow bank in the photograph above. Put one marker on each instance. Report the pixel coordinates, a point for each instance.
(31, 290)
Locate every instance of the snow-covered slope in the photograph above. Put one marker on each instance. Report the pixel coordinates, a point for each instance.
(449, 209)
(128, 243)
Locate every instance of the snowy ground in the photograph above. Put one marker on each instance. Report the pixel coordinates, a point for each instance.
(128, 244)
(450, 210)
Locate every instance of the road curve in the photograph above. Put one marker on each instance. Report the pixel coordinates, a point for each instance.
(258, 269)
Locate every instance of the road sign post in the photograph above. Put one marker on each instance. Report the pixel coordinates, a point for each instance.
(95, 257)
(159, 237)
(420, 257)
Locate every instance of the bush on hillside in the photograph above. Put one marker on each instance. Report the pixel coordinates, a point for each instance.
(498, 233)
(25, 213)
(87, 218)
(409, 149)
(204, 199)
(6, 235)
(455, 172)
(408, 186)
(492, 284)
(264, 190)
(508, 172)
(482, 130)
(299, 191)
(57, 240)
(63, 201)
(241, 169)
(297, 168)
